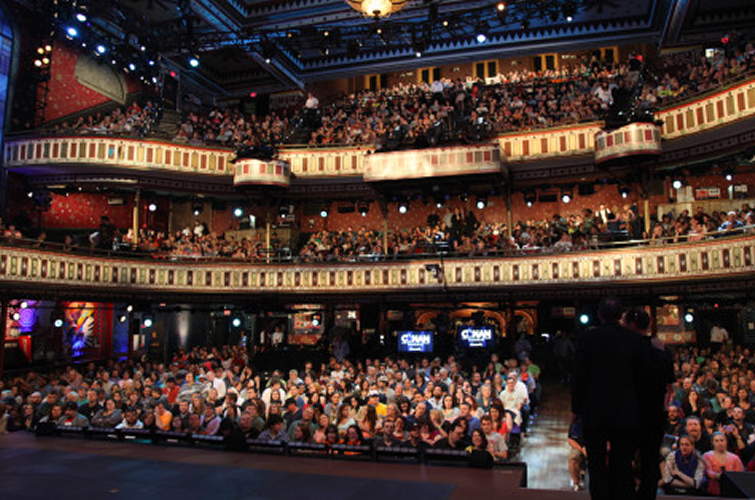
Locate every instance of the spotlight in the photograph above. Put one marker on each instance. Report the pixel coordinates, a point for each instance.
(152, 207)
(624, 191)
(501, 6)
(132, 66)
(16, 316)
(48, 48)
(463, 197)
(677, 184)
(729, 173)
(197, 212)
(40, 51)
(147, 323)
(58, 323)
(23, 304)
(283, 211)
(689, 317)
(566, 196)
(236, 322)
(530, 198)
(30, 194)
(569, 19)
(438, 204)
(194, 61)
(72, 32)
(364, 209)
(481, 203)
(238, 212)
(403, 207)
(267, 60)
(38, 63)
(418, 54)
(129, 308)
(324, 212)
(101, 49)
(316, 321)
(81, 17)
(143, 48)
(481, 38)
(45, 60)
(122, 318)
(584, 318)
(151, 62)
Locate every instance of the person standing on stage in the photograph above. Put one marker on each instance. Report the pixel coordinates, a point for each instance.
(656, 375)
(606, 382)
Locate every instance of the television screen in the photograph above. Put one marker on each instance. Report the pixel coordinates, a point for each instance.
(413, 341)
(476, 337)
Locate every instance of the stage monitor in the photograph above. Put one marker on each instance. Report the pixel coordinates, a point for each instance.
(476, 337)
(415, 341)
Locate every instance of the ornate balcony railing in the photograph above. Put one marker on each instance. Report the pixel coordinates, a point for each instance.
(692, 117)
(722, 258)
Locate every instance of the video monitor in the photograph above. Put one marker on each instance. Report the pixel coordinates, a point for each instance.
(476, 337)
(415, 341)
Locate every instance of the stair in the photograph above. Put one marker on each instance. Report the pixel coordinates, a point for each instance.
(168, 125)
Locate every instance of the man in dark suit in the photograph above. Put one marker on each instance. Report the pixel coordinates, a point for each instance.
(605, 394)
(656, 375)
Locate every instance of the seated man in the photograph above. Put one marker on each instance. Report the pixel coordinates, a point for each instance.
(496, 443)
(387, 439)
(130, 420)
(71, 416)
(455, 440)
(274, 432)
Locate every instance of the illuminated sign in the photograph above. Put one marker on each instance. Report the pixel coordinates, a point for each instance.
(476, 336)
(415, 341)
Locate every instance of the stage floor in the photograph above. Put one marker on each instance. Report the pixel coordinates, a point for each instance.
(73, 468)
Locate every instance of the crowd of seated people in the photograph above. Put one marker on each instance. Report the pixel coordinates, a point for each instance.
(710, 420)
(216, 391)
(135, 121)
(470, 110)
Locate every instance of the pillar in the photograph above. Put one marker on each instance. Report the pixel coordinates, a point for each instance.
(135, 226)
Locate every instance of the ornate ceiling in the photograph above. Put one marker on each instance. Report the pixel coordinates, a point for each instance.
(264, 45)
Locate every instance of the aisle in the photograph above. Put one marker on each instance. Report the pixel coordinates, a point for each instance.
(545, 449)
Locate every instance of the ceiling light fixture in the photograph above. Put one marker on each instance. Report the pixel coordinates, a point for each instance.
(377, 8)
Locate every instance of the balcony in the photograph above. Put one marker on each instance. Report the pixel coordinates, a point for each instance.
(684, 120)
(723, 262)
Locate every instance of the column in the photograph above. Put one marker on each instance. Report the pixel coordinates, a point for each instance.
(135, 226)
(3, 326)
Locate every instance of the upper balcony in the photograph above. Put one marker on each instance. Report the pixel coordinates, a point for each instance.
(516, 148)
(726, 263)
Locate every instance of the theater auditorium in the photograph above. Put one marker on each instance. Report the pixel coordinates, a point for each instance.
(348, 249)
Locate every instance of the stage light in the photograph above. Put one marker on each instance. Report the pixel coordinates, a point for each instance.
(72, 32)
(16, 316)
(324, 212)
(584, 318)
(501, 6)
(45, 60)
(129, 308)
(624, 191)
(481, 203)
(418, 54)
(677, 184)
(40, 51)
(147, 323)
(101, 49)
(403, 207)
(236, 322)
(81, 17)
(58, 323)
(197, 212)
(143, 48)
(481, 38)
(132, 66)
(30, 194)
(569, 19)
(194, 61)
(729, 173)
(122, 318)
(48, 48)
(152, 207)
(38, 63)
(566, 196)
(23, 304)
(364, 209)
(238, 212)
(689, 317)
(438, 204)
(151, 62)
(530, 198)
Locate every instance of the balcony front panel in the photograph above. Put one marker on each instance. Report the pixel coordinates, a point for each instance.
(123, 153)
(722, 258)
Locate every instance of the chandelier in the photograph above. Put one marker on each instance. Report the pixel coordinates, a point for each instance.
(377, 8)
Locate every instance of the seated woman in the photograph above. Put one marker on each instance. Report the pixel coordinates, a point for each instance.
(717, 461)
(684, 469)
(109, 417)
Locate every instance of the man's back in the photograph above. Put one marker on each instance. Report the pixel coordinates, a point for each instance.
(606, 372)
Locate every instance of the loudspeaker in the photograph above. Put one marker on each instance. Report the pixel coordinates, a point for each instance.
(738, 484)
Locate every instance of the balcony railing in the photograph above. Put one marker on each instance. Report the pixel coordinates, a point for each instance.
(718, 258)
